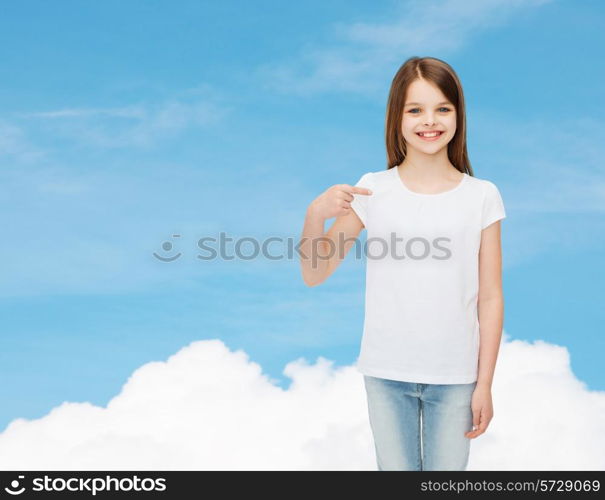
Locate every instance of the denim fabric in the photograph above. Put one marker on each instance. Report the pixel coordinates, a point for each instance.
(419, 426)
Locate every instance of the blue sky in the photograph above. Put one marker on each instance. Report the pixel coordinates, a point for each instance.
(125, 123)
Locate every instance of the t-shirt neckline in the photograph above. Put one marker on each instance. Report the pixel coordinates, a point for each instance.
(399, 180)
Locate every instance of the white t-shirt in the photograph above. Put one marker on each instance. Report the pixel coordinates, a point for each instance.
(421, 323)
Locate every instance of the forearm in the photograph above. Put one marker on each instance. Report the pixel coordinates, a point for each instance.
(491, 317)
(313, 258)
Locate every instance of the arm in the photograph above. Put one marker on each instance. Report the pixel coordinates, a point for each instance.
(491, 303)
(322, 253)
(490, 310)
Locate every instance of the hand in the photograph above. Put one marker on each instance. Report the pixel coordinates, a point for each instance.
(483, 411)
(336, 200)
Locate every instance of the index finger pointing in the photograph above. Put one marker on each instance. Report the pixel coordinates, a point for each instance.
(360, 190)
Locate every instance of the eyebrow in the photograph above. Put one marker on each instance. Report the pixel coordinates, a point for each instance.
(418, 104)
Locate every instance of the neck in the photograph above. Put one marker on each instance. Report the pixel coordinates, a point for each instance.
(427, 166)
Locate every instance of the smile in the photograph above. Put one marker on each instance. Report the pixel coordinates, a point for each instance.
(429, 136)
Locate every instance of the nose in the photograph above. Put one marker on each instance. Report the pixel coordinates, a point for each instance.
(429, 120)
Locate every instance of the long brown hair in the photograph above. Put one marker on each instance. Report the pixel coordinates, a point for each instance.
(444, 77)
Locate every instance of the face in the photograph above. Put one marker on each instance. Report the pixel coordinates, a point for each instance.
(426, 109)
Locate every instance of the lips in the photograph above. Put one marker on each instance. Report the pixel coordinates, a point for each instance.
(433, 138)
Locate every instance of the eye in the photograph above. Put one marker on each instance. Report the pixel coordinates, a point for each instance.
(415, 109)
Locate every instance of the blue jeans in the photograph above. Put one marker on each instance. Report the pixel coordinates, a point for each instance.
(400, 412)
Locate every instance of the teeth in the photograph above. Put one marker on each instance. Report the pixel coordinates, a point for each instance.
(429, 135)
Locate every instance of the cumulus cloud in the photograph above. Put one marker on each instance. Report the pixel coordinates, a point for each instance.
(210, 408)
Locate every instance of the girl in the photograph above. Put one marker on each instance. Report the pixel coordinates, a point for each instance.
(434, 303)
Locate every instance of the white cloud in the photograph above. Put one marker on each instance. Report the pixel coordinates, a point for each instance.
(361, 53)
(15, 145)
(136, 125)
(125, 112)
(209, 408)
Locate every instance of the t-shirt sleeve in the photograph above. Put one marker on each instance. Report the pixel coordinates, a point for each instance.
(360, 201)
(493, 206)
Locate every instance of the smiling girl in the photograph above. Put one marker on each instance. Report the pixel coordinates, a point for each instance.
(434, 303)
